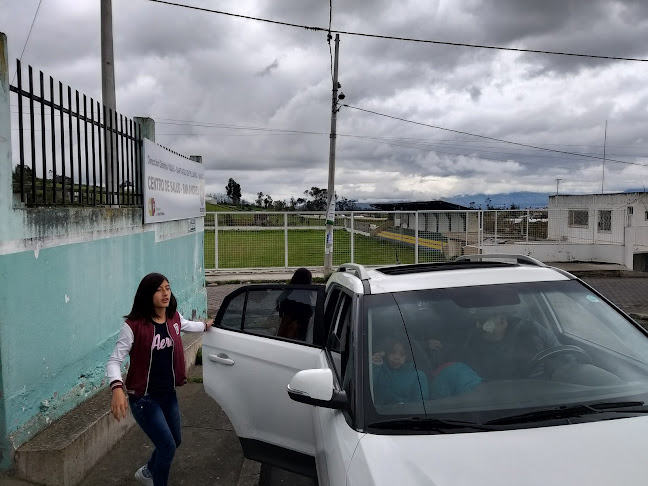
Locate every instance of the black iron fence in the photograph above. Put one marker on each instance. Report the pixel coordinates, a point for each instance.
(85, 155)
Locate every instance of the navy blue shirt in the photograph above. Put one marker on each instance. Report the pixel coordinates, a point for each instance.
(161, 374)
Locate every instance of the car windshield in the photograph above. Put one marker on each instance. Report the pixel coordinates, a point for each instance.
(486, 353)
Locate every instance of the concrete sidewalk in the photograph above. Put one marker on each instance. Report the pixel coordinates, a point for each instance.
(210, 454)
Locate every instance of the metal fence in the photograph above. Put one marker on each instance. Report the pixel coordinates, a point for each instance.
(555, 226)
(85, 154)
(243, 240)
(294, 239)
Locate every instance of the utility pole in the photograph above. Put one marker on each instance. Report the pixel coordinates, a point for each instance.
(330, 211)
(108, 94)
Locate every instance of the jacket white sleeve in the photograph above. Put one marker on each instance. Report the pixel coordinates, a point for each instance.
(191, 326)
(121, 350)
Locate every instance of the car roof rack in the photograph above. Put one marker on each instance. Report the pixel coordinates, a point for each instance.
(358, 270)
(501, 256)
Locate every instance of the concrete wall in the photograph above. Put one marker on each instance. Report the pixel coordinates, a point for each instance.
(68, 276)
(552, 252)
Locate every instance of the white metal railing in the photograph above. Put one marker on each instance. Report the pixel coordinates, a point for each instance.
(255, 239)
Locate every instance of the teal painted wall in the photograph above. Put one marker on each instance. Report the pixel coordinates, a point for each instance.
(61, 308)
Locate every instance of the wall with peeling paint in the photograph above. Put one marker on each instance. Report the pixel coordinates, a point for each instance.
(67, 276)
(61, 305)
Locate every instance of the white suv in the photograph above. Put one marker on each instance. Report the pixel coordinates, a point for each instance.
(489, 370)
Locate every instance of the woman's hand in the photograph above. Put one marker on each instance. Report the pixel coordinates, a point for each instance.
(377, 358)
(119, 404)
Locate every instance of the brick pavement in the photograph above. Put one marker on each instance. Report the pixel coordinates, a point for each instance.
(630, 294)
(215, 296)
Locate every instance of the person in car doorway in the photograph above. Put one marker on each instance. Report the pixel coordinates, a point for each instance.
(395, 378)
(151, 336)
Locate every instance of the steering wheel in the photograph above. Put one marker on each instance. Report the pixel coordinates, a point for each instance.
(554, 351)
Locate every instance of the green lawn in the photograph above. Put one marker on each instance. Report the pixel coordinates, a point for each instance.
(254, 249)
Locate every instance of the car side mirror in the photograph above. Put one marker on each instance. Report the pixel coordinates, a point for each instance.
(315, 387)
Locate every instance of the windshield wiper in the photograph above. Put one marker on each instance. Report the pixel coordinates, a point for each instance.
(427, 423)
(571, 411)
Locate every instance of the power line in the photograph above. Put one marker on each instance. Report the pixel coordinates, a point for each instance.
(407, 39)
(27, 40)
(492, 138)
(178, 122)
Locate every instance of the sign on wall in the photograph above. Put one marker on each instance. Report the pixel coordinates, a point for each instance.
(174, 187)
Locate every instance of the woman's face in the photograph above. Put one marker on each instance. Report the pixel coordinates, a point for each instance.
(162, 297)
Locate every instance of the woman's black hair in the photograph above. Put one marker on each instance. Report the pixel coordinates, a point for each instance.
(302, 276)
(143, 301)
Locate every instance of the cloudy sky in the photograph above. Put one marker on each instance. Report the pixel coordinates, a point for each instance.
(254, 98)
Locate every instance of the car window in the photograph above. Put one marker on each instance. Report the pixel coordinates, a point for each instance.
(286, 312)
(395, 379)
(584, 315)
(502, 349)
(339, 340)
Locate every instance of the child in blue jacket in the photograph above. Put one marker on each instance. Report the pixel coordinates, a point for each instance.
(395, 378)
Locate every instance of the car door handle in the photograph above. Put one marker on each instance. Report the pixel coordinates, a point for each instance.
(221, 358)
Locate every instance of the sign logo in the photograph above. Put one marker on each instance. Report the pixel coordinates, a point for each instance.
(151, 206)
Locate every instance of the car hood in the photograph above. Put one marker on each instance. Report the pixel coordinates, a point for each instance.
(590, 454)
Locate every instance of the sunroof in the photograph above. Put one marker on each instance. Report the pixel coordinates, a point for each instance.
(432, 267)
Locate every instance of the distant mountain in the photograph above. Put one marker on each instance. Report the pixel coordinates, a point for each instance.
(523, 200)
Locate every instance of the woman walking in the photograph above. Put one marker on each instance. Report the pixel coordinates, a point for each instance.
(151, 336)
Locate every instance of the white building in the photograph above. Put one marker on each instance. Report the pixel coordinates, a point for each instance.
(613, 227)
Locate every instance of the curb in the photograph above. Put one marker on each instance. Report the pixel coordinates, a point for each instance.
(250, 473)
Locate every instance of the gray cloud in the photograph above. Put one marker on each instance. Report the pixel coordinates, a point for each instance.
(222, 86)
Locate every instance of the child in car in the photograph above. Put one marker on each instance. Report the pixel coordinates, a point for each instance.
(395, 378)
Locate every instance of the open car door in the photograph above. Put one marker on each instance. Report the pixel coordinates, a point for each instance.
(262, 336)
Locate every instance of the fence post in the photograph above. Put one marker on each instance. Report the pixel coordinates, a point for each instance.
(467, 222)
(286, 240)
(216, 241)
(147, 127)
(527, 226)
(480, 231)
(352, 236)
(495, 226)
(416, 236)
(6, 190)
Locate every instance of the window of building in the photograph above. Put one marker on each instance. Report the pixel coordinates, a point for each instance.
(646, 215)
(579, 218)
(630, 210)
(605, 220)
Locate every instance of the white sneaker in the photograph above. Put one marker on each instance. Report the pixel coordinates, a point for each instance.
(143, 475)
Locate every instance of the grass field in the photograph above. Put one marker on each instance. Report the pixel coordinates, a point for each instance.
(259, 249)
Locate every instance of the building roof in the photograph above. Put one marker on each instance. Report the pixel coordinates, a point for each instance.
(419, 206)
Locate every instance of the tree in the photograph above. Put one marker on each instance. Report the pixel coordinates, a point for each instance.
(267, 201)
(489, 204)
(280, 205)
(344, 204)
(515, 206)
(233, 189)
(318, 200)
(259, 199)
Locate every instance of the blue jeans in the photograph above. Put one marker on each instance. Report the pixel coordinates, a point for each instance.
(159, 418)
